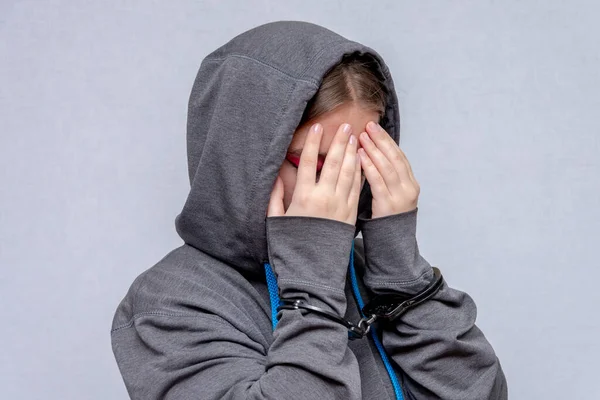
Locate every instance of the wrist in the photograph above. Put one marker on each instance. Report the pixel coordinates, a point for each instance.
(393, 261)
(310, 257)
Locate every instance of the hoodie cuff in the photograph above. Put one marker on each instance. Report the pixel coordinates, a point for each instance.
(393, 261)
(310, 257)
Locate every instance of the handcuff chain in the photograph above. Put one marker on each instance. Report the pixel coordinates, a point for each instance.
(358, 330)
(387, 307)
(368, 321)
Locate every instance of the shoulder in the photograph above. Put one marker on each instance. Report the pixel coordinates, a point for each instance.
(189, 283)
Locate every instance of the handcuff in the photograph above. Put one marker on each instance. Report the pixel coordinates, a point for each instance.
(386, 307)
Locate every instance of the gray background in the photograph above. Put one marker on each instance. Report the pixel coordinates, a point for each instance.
(499, 101)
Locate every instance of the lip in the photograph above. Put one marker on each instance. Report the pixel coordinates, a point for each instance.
(295, 160)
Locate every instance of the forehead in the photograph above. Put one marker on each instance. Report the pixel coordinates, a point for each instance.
(351, 113)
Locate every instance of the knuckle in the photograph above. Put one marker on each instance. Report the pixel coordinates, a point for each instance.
(348, 172)
(302, 199)
(321, 203)
(334, 162)
(310, 161)
(413, 193)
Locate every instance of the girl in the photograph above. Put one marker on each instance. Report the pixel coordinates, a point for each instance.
(293, 136)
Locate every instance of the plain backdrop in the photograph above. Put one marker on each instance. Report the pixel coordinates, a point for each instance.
(500, 116)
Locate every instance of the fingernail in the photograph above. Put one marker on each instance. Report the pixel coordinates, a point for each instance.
(347, 128)
(316, 128)
(352, 139)
(372, 125)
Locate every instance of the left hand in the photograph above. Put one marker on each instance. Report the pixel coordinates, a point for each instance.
(393, 185)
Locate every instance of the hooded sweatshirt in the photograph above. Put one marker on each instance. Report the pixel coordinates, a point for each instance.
(198, 324)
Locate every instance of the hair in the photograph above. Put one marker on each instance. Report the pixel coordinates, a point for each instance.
(355, 79)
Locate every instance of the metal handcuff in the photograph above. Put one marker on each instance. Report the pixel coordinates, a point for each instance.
(384, 306)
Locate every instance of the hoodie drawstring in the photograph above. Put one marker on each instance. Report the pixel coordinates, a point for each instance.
(273, 293)
(274, 298)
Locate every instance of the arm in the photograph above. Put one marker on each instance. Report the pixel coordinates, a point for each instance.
(437, 344)
(202, 355)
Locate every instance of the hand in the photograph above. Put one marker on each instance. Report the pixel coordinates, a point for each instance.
(336, 194)
(393, 185)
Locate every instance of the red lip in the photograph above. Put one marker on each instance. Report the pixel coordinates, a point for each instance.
(296, 161)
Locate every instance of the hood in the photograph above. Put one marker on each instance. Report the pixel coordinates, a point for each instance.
(246, 102)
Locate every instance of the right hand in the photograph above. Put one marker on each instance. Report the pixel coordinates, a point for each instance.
(336, 194)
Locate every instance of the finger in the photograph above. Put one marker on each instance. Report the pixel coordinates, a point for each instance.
(386, 170)
(276, 207)
(307, 167)
(335, 156)
(354, 195)
(390, 149)
(378, 187)
(348, 169)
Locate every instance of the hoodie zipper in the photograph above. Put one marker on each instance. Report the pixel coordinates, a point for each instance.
(373, 331)
(274, 298)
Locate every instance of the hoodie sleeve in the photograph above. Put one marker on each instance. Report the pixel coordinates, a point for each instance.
(201, 355)
(437, 345)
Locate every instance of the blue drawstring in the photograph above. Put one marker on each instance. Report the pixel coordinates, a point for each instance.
(373, 332)
(273, 293)
(274, 297)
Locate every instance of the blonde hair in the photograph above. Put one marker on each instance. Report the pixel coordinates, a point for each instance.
(355, 79)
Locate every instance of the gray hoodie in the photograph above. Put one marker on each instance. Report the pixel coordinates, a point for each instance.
(197, 325)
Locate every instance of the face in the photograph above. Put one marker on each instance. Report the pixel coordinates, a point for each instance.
(349, 113)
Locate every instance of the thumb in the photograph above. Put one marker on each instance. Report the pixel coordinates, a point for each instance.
(276, 208)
